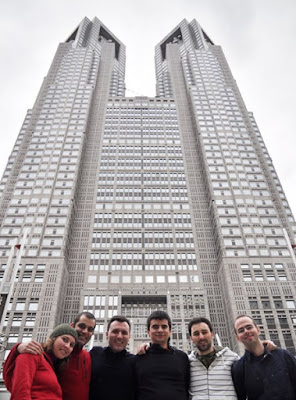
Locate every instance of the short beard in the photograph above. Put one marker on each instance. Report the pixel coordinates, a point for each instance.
(204, 348)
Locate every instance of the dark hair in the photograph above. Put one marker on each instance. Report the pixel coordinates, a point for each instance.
(86, 314)
(243, 316)
(118, 318)
(199, 320)
(158, 314)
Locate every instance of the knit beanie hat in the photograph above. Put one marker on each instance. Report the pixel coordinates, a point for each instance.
(64, 329)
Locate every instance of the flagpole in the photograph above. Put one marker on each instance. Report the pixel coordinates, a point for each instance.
(7, 286)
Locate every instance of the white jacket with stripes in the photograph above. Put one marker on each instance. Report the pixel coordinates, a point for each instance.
(214, 383)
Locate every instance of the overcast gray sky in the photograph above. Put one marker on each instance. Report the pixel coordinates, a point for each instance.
(257, 36)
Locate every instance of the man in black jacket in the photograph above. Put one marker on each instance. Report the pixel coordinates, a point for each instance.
(112, 376)
(163, 372)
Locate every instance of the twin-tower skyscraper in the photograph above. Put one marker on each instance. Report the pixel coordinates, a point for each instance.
(120, 205)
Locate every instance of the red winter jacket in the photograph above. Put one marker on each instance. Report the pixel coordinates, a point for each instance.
(33, 378)
(75, 378)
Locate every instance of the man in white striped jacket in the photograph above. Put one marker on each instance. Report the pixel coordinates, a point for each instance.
(210, 366)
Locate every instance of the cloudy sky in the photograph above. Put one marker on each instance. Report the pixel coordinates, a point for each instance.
(257, 36)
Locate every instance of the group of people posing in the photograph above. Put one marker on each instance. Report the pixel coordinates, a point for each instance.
(61, 370)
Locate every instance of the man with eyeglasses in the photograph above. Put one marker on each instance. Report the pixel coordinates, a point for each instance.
(75, 378)
(261, 374)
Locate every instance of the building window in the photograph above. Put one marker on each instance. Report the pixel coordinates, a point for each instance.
(290, 304)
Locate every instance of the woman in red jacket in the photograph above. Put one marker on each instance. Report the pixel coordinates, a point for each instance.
(34, 375)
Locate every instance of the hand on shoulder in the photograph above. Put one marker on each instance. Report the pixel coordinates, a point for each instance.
(30, 348)
(142, 349)
(270, 345)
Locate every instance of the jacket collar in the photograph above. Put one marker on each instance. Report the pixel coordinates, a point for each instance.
(108, 350)
(249, 355)
(156, 348)
(77, 349)
(219, 351)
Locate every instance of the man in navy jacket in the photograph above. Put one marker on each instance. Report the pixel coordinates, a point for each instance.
(261, 374)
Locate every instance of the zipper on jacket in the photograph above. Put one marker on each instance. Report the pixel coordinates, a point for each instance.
(85, 370)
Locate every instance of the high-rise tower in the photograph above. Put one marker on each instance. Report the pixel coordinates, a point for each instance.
(121, 205)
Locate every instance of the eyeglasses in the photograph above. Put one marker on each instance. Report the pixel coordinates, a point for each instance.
(82, 326)
(245, 328)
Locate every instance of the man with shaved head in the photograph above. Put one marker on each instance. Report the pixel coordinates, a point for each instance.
(261, 374)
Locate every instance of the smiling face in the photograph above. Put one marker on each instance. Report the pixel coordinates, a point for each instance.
(247, 332)
(63, 346)
(118, 336)
(85, 329)
(159, 332)
(202, 338)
